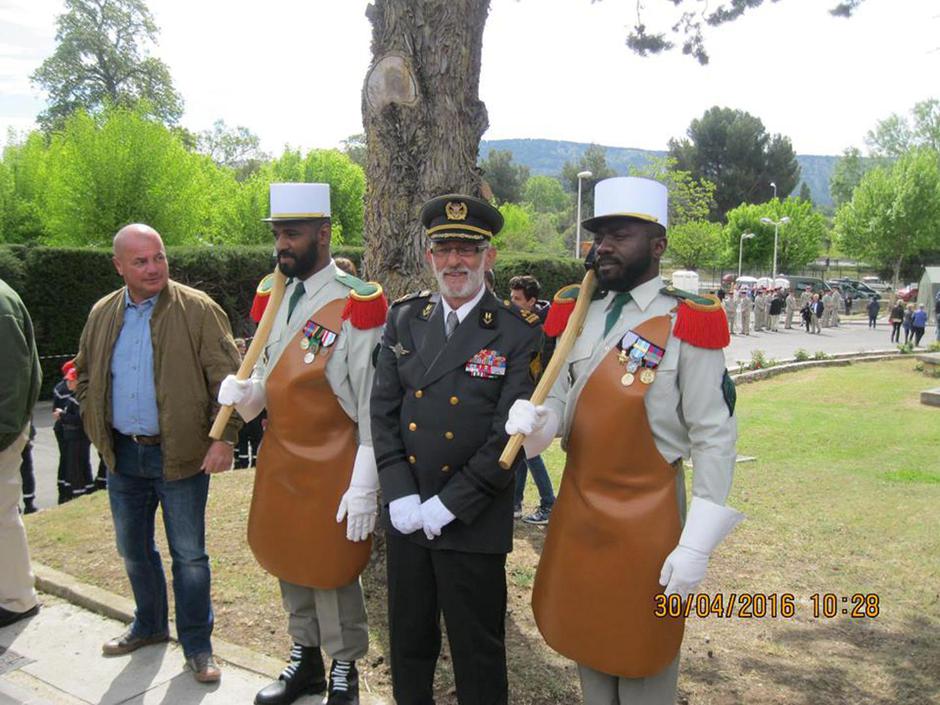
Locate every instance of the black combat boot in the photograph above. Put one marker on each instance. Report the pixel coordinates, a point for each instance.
(344, 683)
(305, 675)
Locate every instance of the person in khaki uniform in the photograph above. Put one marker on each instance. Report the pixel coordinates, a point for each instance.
(745, 305)
(837, 303)
(20, 377)
(827, 310)
(645, 386)
(315, 497)
(790, 307)
(730, 305)
(760, 311)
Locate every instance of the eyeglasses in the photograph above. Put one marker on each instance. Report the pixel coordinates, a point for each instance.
(464, 251)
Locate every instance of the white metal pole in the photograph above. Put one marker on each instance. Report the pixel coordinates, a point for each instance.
(577, 237)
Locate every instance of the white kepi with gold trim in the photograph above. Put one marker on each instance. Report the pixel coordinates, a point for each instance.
(629, 197)
(299, 201)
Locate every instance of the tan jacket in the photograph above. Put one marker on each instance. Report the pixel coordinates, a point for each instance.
(193, 351)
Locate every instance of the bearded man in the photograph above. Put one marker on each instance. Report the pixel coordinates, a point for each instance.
(644, 386)
(449, 367)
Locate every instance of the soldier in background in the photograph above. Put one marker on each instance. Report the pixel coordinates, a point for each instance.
(760, 311)
(790, 308)
(836, 307)
(827, 309)
(730, 304)
(745, 305)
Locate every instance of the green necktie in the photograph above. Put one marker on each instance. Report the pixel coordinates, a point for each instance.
(616, 307)
(299, 291)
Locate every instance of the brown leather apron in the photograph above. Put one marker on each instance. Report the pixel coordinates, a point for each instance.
(304, 468)
(615, 521)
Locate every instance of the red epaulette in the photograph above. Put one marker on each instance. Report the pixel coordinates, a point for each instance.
(560, 311)
(262, 296)
(366, 306)
(700, 320)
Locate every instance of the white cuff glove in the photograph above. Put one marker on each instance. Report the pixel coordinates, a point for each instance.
(434, 517)
(360, 500)
(706, 526)
(405, 513)
(246, 395)
(539, 424)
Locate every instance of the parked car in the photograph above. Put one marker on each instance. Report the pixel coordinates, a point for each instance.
(909, 293)
(859, 290)
(798, 284)
(876, 284)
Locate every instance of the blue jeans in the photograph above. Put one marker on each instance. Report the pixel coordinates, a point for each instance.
(540, 474)
(134, 491)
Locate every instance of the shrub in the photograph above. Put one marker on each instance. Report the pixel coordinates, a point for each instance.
(801, 355)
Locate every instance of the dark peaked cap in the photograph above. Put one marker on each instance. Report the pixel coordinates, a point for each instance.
(457, 217)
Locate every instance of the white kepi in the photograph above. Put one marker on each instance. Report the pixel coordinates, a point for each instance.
(629, 197)
(299, 201)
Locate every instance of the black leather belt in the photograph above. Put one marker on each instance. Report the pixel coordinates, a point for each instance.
(141, 440)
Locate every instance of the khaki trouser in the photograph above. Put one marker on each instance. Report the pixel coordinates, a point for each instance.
(745, 322)
(334, 620)
(16, 575)
(602, 689)
(789, 322)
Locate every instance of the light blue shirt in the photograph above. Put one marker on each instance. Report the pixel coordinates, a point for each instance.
(133, 394)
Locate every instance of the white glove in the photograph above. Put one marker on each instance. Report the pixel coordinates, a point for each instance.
(234, 391)
(539, 424)
(246, 395)
(706, 526)
(434, 517)
(360, 500)
(405, 513)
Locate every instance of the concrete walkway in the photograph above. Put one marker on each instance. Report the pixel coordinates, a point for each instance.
(55, 659)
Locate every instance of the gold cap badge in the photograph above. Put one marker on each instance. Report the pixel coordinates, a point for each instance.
(456, 210)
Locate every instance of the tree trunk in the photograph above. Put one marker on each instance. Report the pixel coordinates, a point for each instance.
(423, 120)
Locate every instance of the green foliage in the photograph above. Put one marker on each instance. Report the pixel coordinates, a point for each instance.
(100, 60)
(801, 355)
(799, 241)
(104, 172)
(696, 245)
(732, 149)
(525, 230)
(545, 194)
(552, 272)
(894, 214)
(354, 147)
(896, 135)
(847, 174)
(506, 180)
(821, 355)
(690, 199)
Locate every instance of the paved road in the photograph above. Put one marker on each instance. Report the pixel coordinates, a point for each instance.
(851, 336)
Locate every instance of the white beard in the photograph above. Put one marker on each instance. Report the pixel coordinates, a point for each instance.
(471, 285)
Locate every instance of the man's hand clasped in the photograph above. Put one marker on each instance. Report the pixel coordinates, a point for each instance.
(409, 514)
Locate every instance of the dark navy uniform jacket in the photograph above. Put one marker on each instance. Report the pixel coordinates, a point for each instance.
(437, 428)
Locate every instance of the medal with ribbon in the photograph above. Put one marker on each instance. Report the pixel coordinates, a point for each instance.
(486, 364)
(313, 338)
(637, 353)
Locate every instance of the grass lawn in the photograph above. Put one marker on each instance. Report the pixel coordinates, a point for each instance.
(843, 498)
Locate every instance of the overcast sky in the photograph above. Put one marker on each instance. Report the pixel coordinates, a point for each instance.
(292, 70)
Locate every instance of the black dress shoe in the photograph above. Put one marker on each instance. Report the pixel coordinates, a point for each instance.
(305, 675)
(8, 617)
(344, 683)
(127, 642)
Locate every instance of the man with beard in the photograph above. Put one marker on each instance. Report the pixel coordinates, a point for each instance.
(316, 467)
(450, 365)
(645, 387)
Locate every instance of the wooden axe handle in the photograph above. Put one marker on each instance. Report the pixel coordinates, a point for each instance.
(254, 350)
(557, 363)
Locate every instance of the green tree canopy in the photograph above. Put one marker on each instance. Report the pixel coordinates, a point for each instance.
(101, 59)
(690, 199)
(732, 149)
(545, 194)
(506, 179)
(896, 135)
(894, 214)
(799, 242)
(526, 230)
(696, 244)
(847, 174)
(237, 148)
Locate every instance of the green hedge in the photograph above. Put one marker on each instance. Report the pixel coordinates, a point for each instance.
(60, 285)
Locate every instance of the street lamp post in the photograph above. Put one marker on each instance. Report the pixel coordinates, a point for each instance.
(776, 223)
(744, 236)
(774, 187)
(577, 237)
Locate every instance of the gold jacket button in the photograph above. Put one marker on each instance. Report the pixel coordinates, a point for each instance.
(449, 435)
(412, 459)
(412, 426)
(446, 468)
(419, 394)
(454, 401)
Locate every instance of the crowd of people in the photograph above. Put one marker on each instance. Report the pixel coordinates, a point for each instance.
(758, 309)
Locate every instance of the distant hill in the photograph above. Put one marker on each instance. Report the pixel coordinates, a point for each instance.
(547, 157)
